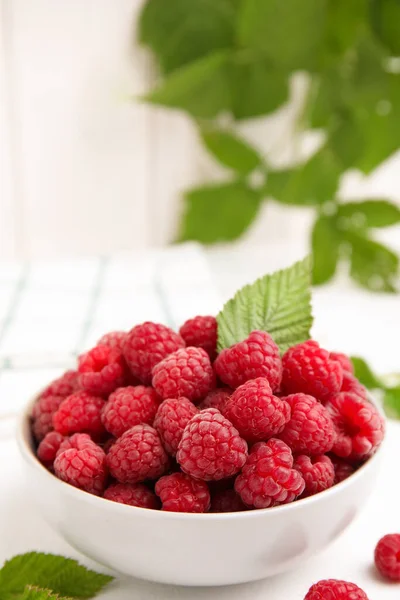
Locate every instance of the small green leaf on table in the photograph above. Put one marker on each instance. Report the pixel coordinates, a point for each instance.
(279, 304)
(370, 213)
(220, 212)
(231, 151)
(325, 241)
(364, 373)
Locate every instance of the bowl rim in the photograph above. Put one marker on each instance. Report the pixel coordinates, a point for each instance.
(24, 445)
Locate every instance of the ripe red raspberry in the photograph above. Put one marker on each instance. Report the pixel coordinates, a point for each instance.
(310, 429)
(343, 469)
(64, 386)
(80, 413)
(134, 494)
(181, 493)
(387, 556)
(129, 406)
(216, 399)
(79, 441)
(171, 419)
(318, 473)
(268, 479)
(333, 589)
(48, 448)
(146, 345)
(202, 333)
(343, 360)
(211, 448)
(113, 339)
(137, 455)
(256, 356)
(187, 372)
(102, 370)
(351, 384)
(84, 467)
(358, 425)
(255, 412)
(224, 501)
(42, 415)
(307, 368)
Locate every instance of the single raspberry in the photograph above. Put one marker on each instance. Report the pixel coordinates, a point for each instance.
(268, 479)
(343, 469)
(216, 399)
(310, 429)
(48, 448)
(64, 386)
(387, 556)
(134, 494)
(226, 501)
(102, 370)
(137, 455)
(307, 368)
(358, 425)
(113, 339)
(181, 493)
(42, 415)
(351, 384)
(80, 413)
(84, 468)
(129, 406)
(255, 412)
(146, 345)
(334, 589)
(202, 333)
(187, 372)
(211, 448)
(171, 419)
(318, 473)
(256, 356)
(343, 360)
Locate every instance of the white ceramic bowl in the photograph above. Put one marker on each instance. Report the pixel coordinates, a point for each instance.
(194, 549)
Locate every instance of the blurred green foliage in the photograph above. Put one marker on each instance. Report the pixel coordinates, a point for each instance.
(236, 57)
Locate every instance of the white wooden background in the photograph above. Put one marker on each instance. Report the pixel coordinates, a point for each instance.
(86, 170)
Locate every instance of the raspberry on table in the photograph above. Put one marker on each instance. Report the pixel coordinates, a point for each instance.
(255, 412)
(137, 455)
(80, 413)
(146, 345)
(101, 370)
(129, 406)
(224, 501)
(256, 356)
(202, 333)
(387, 556)
(318, 473)
(307, 368)
(358, 425)
(216, 399)
(48, 448)
(343, 360)
(310, 429)
(187, 372)
(113, 339)
(268, 478)
(84, 468)
(42, 415)
(181, 493)
(133, 494)
(171, 419)
(343, 469)
(334, 589)
(64, 386)
(351, 384)
(211, 447)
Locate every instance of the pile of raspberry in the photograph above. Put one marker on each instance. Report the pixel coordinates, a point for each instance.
(158, 419)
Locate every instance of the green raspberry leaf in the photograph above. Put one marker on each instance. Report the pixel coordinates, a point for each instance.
(391, 402)
(279, 304)
(64, 576)
(231, 151)
(373, 265)
(385, 20)
(364, 373)
(370, 213)
(34, 593)
(325, 247)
